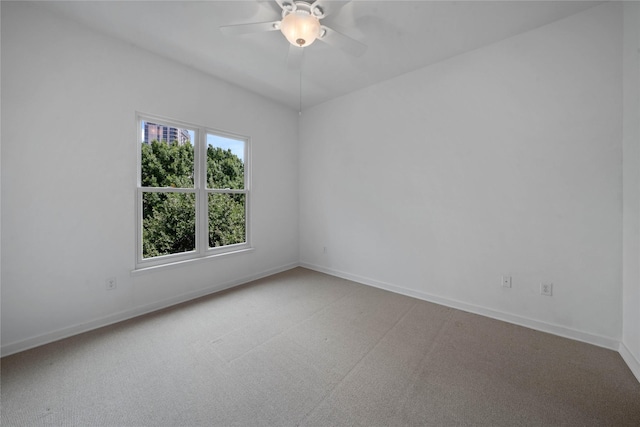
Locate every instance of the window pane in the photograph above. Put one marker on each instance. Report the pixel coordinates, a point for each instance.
(168, 223)
(225, 162)
(167, 156)
(226, 219)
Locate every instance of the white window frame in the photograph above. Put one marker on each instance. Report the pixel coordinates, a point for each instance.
(202, 249)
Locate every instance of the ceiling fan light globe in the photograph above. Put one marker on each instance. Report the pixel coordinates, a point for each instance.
(300, 28)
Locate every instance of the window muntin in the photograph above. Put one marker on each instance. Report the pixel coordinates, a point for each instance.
(193, 195)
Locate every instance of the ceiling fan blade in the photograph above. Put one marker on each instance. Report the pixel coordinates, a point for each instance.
(273, 5)
(294, 58)
(256, 27)
(341, 41)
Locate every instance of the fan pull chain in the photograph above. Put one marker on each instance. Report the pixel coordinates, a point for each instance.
(300, 101)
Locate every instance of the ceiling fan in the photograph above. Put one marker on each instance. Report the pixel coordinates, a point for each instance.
(301, 26)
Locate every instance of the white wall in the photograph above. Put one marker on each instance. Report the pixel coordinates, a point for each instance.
(630, 348)
(504, 160)
(69, 97)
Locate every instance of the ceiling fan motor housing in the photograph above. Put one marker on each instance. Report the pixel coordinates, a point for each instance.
(301, 22)
(301, 26)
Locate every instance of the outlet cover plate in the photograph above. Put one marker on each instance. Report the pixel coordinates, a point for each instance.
(506, 281)
(546, 289)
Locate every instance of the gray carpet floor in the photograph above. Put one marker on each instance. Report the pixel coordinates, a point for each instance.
(304, 348)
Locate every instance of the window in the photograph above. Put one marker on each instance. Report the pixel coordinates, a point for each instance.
(193, 193)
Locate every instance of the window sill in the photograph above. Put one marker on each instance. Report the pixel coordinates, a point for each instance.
(184, 263)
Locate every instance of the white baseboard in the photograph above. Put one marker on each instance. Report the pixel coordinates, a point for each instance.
(558, 330)
(59, 334)
(632, 362)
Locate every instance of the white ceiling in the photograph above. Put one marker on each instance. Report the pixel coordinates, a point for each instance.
(401, 36)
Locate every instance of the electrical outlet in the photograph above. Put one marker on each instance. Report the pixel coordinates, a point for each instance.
(324, 250)
(546, 289)
(506, 281)
(110, 283)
